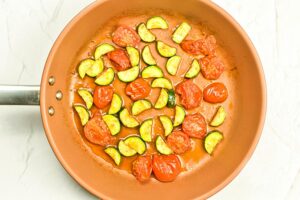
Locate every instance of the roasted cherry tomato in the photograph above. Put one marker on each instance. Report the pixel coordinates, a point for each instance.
(212, 68)
(194, 125)
(179, 142)
(166, 167)
(103, 96)
(138, 89)
(125, 36)
(97, 132)
(191, 94)
(206, 46)
(215, 93)
(142, 168)
(119, 59)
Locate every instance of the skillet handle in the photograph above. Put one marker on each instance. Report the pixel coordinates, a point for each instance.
(19, 95)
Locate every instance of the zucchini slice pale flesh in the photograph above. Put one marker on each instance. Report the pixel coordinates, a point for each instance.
(129, 75)
(112, 123)
(134, 55)
(211, 141)
(87, 97)
(219, 117)
(136, 143)
(162, 100)
(194, 69)
(147, 56)
(102, 50)
(146, 130)
(83, 113)
(173, 64)
(96, 68)
(140, 106)
(167, 124)
(116, 104)
(165, 50)
(162, 83)
(145, 34)
(157, 22)
(125, 150)
(162, 146)
(106, 77)
(152, 72)
(114, 154)
(181, 32)
(179, 115)
(171, 99)
(128, 120)
(84, 66)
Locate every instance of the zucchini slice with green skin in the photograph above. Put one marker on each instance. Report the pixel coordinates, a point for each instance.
(165, 50)
(162, 83)
(173, 64)
(114, 154)
(84, 66)
(171, 99)
(129, 75)
(140, 106)
(125, 150)
(106, 77)
(96, 68)
(102, 50)
(181, 32)
(162, 146)
(112, 123)
(167, 124)
(134, 55)
(194, 69)
(87, 97)
(179, 115)
(128, 120)
(145, 34)
(219, 117)
(136, 143)
(157, 22)
(162, 100)
(83, 113)
(152, 72)
(146, 130)
(147, 56)
(116, 104)
(211, 141)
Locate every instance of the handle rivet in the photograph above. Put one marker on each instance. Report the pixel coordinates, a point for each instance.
(51, 111)
(51, 80)
(59, 95)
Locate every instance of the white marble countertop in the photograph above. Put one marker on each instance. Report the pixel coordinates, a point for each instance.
(28, 167)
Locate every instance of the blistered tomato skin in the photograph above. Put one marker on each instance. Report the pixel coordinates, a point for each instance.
(103, 96)
(125, 36)
(205, 46)
(215, 93)
(142, 168)
(179, 142)
(194, 125)
(166, 167)
(138, 89)
(212, 68)
(119, 59)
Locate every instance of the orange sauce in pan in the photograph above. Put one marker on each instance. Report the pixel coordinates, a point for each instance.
(196, 156)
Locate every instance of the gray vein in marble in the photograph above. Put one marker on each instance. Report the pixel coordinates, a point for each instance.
(46, 32)
(295, 181)
(274, 132)
(21, 73)
(276, 28)
(57, 10)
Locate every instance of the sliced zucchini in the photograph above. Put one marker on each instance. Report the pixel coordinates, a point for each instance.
(102, 50)
(140, 106)
(146, 130)
(162, 83)
(128, 120)
(84, 66)
(83, 113)
(162, 100)
(152, 72)
(87, 97)
(125, 150)
(112, 123)
(134, 55)
(157, 22)
(106, 77)
(162, 146)
(219, 117)
(129, 75)
(165, 50)
(145, 34)
(179, 115)
(136, 143)
(173, 64)
(194, 69)
(147, 56)
(167, 124)
(114, 154)
(116, 104)
(96, 68)
(181, 32)
(171, 99)
(212, 140)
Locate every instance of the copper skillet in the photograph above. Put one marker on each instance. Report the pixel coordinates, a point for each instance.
(106, 183)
